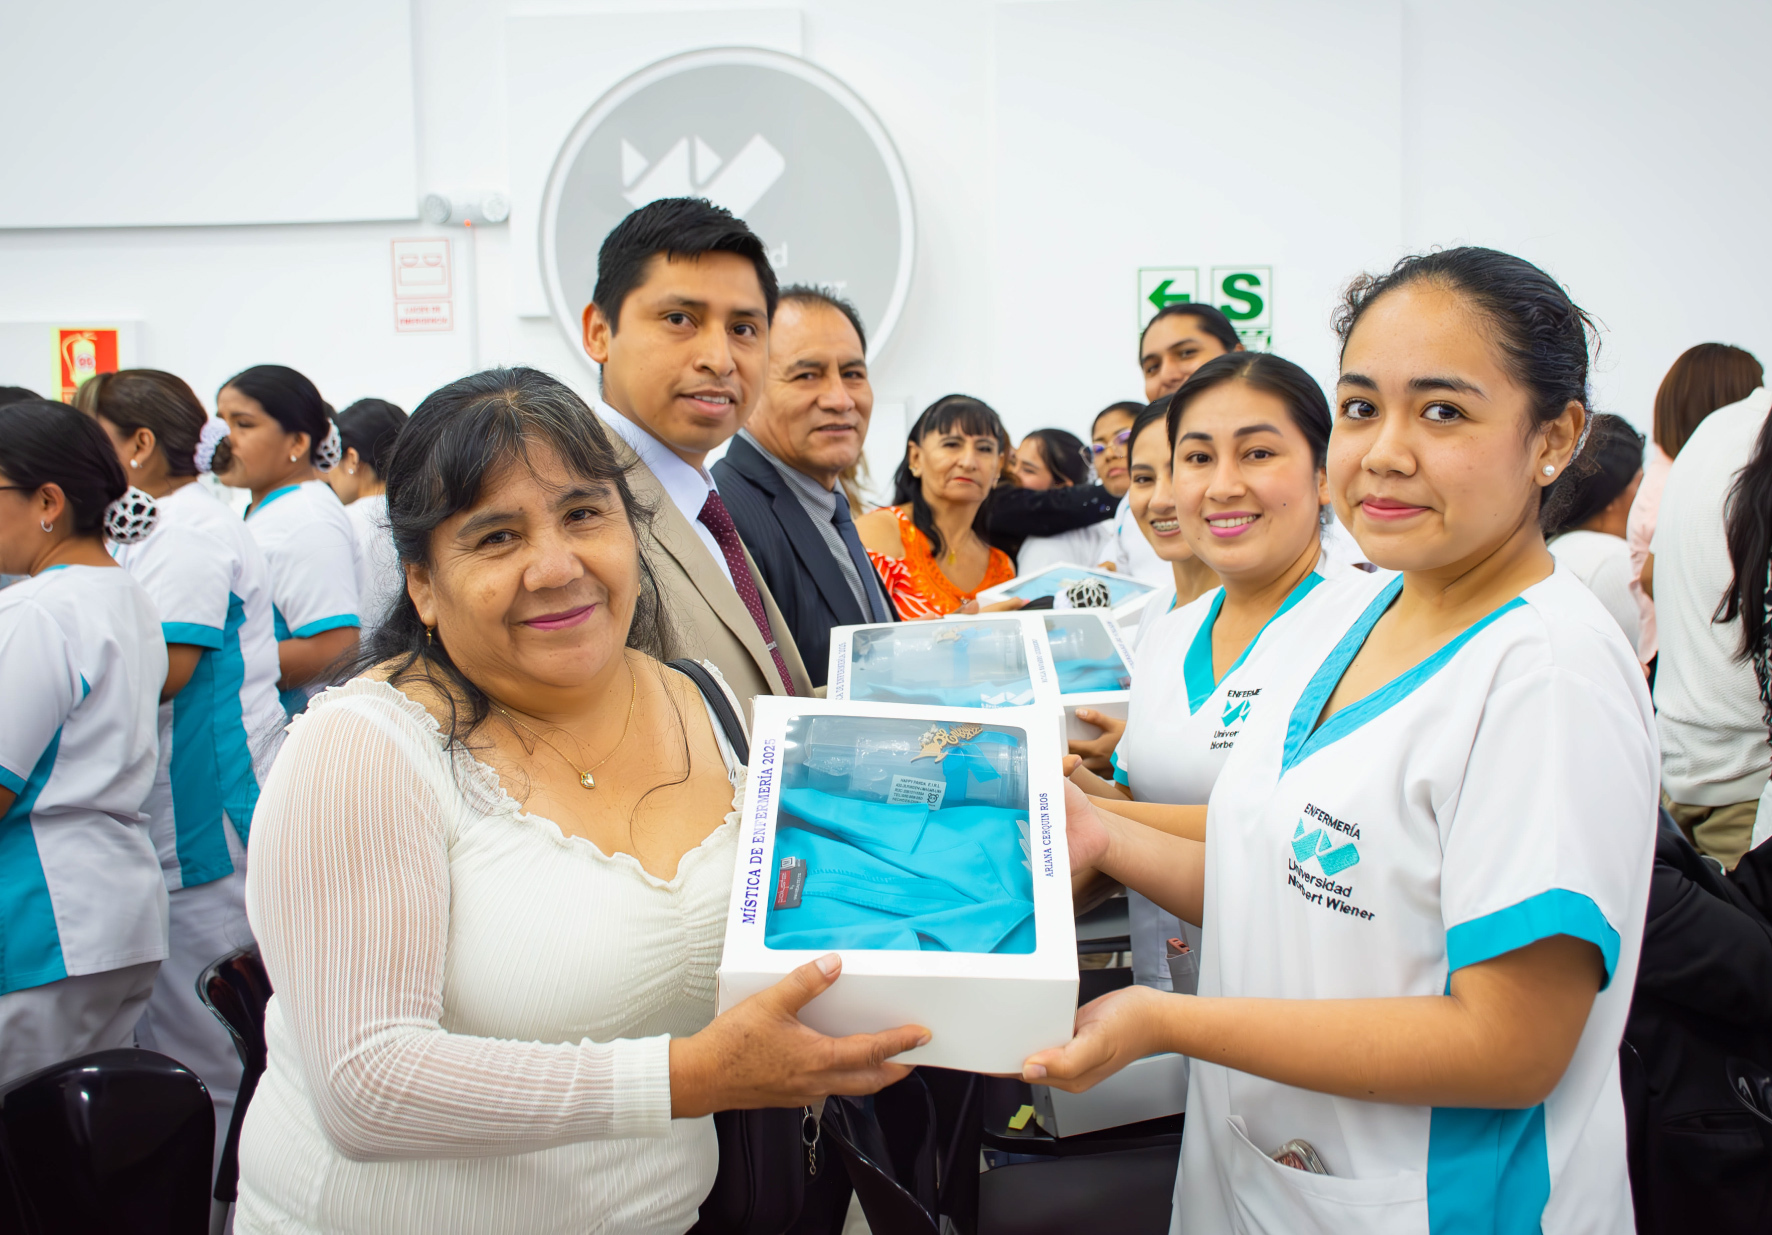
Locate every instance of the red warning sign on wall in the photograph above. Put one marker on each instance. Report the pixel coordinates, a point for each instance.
(81, 353)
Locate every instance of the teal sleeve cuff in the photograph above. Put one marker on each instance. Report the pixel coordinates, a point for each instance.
(191, 633)
(1556, 912)
(1119, 772)
(11, 780)
(321, 625)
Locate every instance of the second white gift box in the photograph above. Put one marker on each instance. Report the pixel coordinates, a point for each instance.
(926, 845)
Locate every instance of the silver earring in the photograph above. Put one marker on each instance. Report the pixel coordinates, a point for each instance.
(293, 458)
(134, 463)
(353, 471)
(48, 527)
(1549, 470)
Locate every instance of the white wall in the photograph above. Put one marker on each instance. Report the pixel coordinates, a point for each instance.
(1054, 147)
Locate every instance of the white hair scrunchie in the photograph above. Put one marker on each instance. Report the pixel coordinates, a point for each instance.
(331, 450)
(131, 517)
(214, 432)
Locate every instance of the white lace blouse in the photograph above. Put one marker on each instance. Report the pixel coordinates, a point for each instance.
(473, 1010)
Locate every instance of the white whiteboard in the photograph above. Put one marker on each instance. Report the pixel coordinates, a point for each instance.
(116, 113)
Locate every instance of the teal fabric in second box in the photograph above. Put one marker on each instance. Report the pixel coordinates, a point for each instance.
(903, 878)
(1078, 676)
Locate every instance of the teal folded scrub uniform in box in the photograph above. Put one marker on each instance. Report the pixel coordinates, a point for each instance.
(969, 665)
(1106, 673)
(862, 874)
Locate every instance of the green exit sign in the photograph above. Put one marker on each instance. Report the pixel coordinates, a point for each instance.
(1244, 294)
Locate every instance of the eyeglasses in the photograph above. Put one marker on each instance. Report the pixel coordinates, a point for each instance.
(1118, 439)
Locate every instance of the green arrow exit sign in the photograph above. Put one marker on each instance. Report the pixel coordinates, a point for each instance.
(1244, 294)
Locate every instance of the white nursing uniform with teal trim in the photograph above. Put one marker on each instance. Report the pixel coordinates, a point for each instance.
(1501, 792)
(1181, 725)
(311, 548)
(208, 579)
(81, 666)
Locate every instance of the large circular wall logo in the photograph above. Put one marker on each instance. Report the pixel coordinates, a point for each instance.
(777, 141)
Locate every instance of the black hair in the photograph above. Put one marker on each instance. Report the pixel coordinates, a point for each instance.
(1125, 407)
(1304, 399)
(369, 426)
(44, 443)
(973, 417)
(1544, 337)
(676, 227)
(288, 398)
(1066, 456)
(1212, 321)
(1148, 415)
(1608, 462)
(149, 399)
(805, 294)
(1747, 526)
(455, 440)
(17, 394)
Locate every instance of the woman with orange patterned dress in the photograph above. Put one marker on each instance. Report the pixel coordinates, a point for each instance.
(927, 546)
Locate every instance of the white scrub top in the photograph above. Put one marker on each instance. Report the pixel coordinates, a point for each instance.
(379, 577)
(311, 548)
(81, 667)
(1500, 792)
(218, 735)
(1081, 546)
(1181, 724)
(1132, 554)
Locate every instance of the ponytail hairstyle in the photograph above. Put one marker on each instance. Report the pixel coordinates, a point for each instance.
(291, 400)
(149, 399)
(948, 414)
(1747, 527)
(1544, 338)
(369, 426)
(44, 443)
(455, 440)
(1605, 467)
(1067, 458)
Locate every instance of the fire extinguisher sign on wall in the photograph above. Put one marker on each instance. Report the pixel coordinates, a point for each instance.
(82, 352)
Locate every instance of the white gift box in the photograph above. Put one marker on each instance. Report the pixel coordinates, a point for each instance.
(1125, 596)
(1052, 659)
(859, 818)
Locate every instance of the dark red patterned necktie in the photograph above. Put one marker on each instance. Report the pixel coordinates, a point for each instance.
(715, 517)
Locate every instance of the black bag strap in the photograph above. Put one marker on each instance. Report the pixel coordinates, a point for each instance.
(718, 703)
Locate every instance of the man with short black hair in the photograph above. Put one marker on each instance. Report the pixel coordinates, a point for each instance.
(780, 476)
(679, 323)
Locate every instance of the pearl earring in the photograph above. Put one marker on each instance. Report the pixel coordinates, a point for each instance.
(134, 463)
(293, 458)
(48, 527)
(1549, 470)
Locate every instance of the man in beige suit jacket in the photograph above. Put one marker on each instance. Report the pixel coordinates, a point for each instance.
(679, 323)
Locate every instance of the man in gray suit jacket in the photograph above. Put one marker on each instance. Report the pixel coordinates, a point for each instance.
(679, 322)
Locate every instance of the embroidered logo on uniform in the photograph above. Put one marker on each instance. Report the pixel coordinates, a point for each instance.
(1235, 710)
(1331, 858)
(1320, 838)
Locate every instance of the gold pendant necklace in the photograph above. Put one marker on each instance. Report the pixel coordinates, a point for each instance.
(584, 775)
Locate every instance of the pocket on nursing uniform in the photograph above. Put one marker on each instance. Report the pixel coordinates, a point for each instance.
(1270, 1199)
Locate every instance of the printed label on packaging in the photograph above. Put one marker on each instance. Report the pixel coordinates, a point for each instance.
(790, 882)
(910, 791)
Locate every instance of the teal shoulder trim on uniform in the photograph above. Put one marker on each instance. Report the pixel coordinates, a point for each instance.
(1302, 740)
(1556, 912)
(192, 633)
(1488, 1172)
(270, 497)
(1119, 772)
(11, 780)
(279, 628)
(321, 625)
(30, 947)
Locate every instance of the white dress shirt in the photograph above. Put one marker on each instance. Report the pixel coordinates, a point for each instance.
(687, 487)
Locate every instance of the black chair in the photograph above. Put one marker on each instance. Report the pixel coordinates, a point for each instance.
(112, 1141)
(236, 988)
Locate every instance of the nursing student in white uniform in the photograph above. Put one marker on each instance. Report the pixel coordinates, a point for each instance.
(367, 430)
(1247, 491)
(82, 904)
(1425, 873)
(220, 721)
(1591, 508)
(1152, 506)
(280, 440)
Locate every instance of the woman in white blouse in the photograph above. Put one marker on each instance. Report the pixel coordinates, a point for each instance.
(490, 876)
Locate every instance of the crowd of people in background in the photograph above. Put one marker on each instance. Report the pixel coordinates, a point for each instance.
(419, 727)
